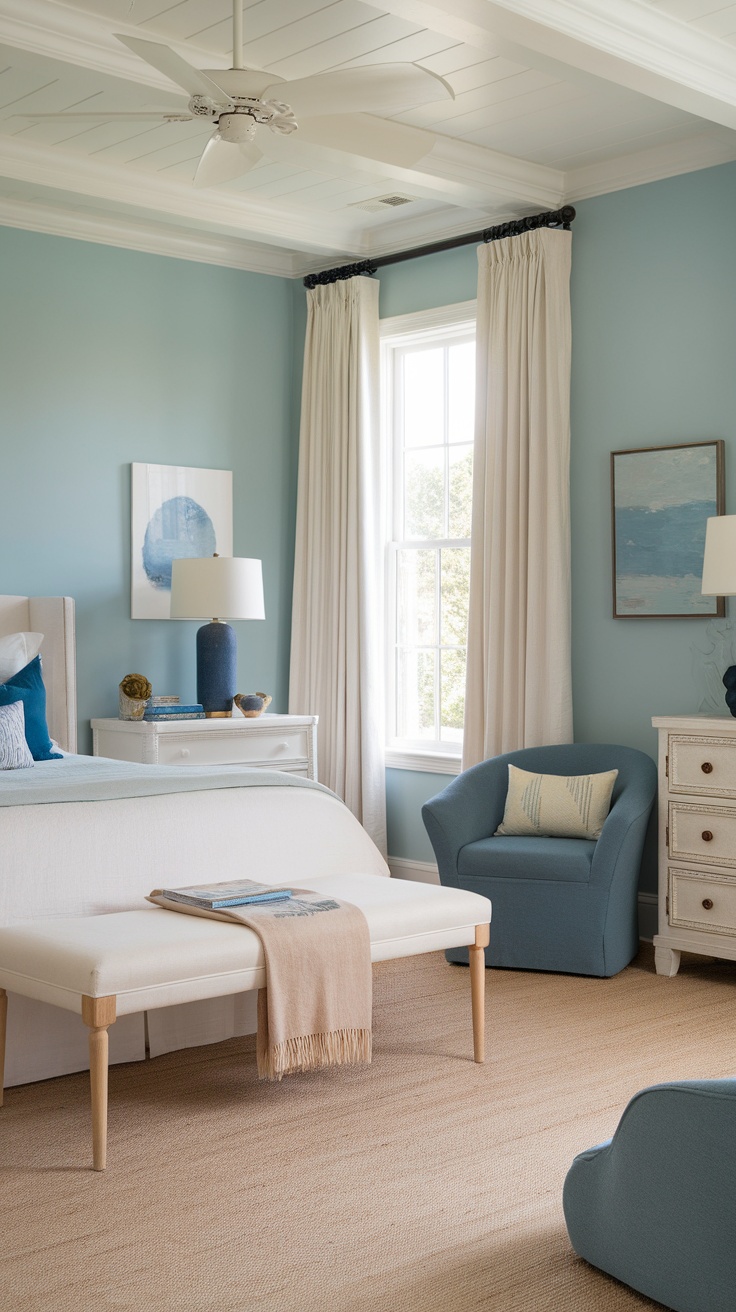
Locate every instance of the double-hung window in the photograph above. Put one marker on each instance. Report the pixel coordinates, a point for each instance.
(428, 387)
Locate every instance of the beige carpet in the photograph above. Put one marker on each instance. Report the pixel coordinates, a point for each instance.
(422, 1183)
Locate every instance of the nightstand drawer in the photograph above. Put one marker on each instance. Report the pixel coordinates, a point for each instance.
(704, 765)
(206, 746)
(702, 900)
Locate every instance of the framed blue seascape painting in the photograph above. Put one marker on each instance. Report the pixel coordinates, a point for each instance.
(661, 498)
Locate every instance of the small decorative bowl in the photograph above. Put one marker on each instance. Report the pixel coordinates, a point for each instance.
(252, 703)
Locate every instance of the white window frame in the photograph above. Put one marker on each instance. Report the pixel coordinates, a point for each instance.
(424, 326)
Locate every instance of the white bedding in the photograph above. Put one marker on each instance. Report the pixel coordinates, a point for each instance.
(86, 858)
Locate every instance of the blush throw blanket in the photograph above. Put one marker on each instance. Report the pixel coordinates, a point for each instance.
(316, 1008)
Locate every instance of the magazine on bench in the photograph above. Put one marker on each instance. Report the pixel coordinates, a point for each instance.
(234, 893)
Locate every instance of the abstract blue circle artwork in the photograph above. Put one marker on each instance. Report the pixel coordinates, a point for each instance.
(179, 528)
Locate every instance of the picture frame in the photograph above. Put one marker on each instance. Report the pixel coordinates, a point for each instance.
(175, 511)
(661, 497)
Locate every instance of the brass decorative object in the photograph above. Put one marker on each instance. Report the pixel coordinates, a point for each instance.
(133, 694)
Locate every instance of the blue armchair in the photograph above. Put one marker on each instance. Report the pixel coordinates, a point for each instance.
(563, 904)
(655, 1206)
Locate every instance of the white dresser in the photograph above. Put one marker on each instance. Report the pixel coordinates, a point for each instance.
(274, 742)
(697, 838)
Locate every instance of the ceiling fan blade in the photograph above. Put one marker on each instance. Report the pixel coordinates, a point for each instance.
(167, 116)
(373, 89)
(357, 135)
(173, 66)
(224, 160)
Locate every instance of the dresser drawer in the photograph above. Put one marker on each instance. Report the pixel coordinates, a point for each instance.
(702, 900)
(705, 834)
(272, 747)
(704, 765)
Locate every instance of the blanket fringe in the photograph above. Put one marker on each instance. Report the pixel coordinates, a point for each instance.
(311, 1052)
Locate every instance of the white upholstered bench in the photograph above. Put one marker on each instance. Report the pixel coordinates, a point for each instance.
(130, 961)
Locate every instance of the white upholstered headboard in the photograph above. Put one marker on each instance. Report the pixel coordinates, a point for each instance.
(54, 618)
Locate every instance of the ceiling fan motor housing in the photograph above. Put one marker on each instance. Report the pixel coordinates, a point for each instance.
(238, 126)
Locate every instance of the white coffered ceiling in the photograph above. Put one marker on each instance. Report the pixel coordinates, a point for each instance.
(555, 100)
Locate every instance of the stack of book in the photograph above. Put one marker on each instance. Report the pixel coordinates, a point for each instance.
(170, 708)
(233, 893)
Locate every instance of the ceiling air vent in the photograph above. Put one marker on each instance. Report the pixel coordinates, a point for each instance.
(379, 203)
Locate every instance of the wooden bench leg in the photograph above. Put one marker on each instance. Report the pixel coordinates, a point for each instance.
(98, 1013)
(3, 1024)
(478, 988)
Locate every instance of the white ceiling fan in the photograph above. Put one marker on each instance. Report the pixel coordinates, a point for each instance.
(242, 101)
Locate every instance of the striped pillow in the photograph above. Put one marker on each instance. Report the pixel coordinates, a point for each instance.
(15, 753)
(557, 805)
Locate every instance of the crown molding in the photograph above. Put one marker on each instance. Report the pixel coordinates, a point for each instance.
(703, 151)
(134, 235)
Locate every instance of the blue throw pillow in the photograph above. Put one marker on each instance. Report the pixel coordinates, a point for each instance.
(27, 687)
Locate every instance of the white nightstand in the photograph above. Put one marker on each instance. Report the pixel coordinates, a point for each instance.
(273, 742)
(697, 838)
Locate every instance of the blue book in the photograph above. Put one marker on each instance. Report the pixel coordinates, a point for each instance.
(233, 893)
(176, 708)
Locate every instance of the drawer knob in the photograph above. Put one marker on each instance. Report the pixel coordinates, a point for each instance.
(183, 751)
(708, 903)
(707, 836)
(706, 767)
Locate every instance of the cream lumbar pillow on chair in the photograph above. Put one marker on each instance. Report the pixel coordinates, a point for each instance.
(556, 805)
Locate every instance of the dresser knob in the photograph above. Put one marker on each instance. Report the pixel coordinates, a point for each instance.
(184, 751)
(706, 767)
(708, 903)
(706, 836)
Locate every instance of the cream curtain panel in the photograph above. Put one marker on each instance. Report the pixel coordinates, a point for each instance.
(518, 687)
(336, 643)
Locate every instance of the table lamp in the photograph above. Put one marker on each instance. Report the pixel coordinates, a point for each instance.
(217, 586)
(719, 578)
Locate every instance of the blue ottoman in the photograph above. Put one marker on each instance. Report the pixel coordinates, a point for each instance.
(656, 1205)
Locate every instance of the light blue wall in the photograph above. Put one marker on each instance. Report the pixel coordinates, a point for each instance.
(654, 327)
(110, 356)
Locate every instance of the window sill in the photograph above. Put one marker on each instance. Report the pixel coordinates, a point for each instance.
(431, 762)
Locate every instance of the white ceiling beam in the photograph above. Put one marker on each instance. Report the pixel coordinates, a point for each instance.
(445, 168)
(627, 42)
(51, 167)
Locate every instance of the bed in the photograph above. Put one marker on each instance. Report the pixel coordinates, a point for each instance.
(102, 849)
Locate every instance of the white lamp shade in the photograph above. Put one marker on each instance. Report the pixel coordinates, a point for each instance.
(217, 587)
(719, 563)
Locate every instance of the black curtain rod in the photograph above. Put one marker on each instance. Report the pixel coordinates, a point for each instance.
(550, 219)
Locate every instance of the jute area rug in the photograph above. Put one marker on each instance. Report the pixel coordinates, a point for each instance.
(422, 1183)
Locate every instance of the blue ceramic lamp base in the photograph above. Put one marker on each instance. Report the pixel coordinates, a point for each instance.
(217, 668)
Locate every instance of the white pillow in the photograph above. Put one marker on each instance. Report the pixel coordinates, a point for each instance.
(557, 805)
(16, 651)
(15, 753)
